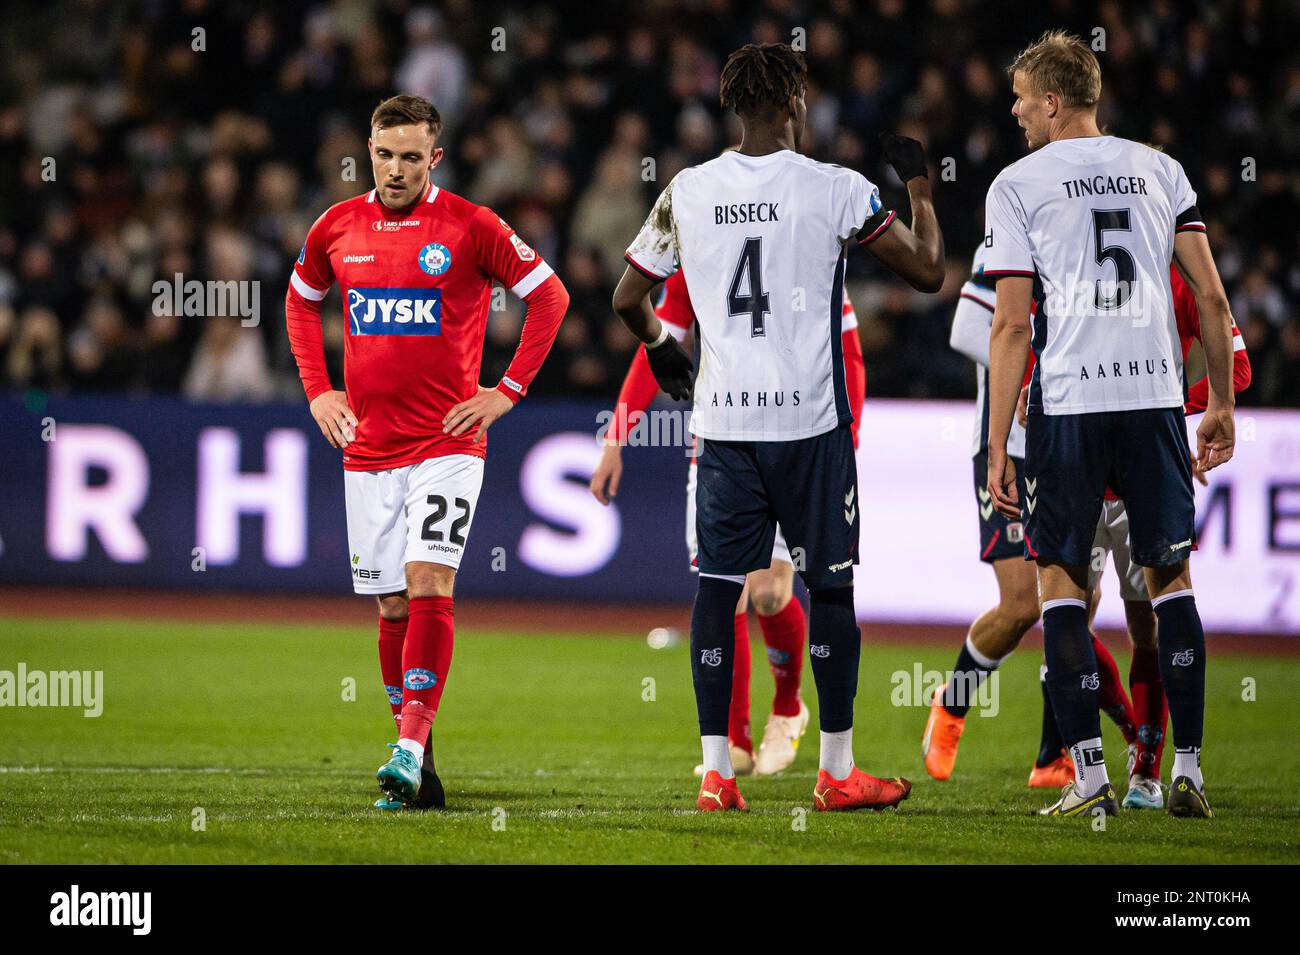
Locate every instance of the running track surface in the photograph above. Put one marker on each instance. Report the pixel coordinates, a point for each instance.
(558, 617)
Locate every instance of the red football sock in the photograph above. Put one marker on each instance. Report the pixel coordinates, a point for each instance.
(784, 633)
(1113, 700)
(426, 658)
(391, 635)
(738, 730)
(1151, 709)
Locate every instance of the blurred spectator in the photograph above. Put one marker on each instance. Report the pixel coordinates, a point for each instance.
(35, 358)
(229, 364)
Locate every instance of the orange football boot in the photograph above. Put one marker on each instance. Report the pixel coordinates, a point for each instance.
(858, 791)
(1055, 775)
(942, 733)
(718, 794)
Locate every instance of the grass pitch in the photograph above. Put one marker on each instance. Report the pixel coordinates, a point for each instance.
(238, 744)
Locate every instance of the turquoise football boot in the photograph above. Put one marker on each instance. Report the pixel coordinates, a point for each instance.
(399, 778)
(1144, 793)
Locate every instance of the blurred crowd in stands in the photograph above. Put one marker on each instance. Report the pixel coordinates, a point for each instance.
(141, 140)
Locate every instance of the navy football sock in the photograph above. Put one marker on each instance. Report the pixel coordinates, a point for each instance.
(835, 646)
(1072, 678)
(1181, 640)
(967, 675)
(713, 646)
(1050, 744)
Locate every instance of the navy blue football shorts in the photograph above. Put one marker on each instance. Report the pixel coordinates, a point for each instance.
(1143, 456)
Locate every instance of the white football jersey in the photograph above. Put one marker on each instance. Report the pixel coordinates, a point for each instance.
(762, 240)
(1094, 220)
(971, 326)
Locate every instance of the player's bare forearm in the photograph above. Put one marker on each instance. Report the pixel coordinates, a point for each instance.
(915, 254)
(925, 226)
(632, 305)
(670, 365)
(1196, 263)
(1008, 354)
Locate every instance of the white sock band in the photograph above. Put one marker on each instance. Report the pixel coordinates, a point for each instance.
(411, 746)
(988, 663)
(1174, 596)
(717, 757)
(740, 579)
(1064, 602)
(836, 755)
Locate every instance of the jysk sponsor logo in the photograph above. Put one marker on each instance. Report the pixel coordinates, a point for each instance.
(395, 311)
(435, 258)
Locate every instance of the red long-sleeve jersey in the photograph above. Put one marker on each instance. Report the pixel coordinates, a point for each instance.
(416, 288)
(674, 310)
(1188, 317)
(1189, 330)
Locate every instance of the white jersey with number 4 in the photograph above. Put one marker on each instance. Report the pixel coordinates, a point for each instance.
(762, 240)
(1094, 219)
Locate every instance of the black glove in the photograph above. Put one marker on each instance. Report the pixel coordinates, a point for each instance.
(906, 155)
(672, 368)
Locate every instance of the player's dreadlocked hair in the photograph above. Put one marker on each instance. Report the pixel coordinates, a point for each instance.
(757, 78)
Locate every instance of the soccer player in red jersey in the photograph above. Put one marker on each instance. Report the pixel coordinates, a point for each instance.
(415, 265)
(1151, 708)
(771, 590)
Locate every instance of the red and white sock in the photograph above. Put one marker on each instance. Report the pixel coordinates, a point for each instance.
(738, 729)
(1112, 699)
(1151, 710)
(426, 659)
(784, 632)
(392, 633)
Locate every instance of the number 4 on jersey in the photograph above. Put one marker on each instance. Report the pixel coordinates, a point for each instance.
(755, 303)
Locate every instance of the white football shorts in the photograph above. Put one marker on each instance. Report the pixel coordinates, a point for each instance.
(1112, 538)
(421, 512)
(780, 549)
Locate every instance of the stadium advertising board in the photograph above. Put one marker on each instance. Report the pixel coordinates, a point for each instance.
(161, 493)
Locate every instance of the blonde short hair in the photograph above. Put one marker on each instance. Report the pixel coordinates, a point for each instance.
(1061, 63)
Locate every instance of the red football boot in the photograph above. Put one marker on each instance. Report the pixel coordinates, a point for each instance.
(859, 791)
(718, 794)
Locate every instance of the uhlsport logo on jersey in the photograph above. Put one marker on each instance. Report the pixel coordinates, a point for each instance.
(418, 678)
(395, 311)
(435, 258)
